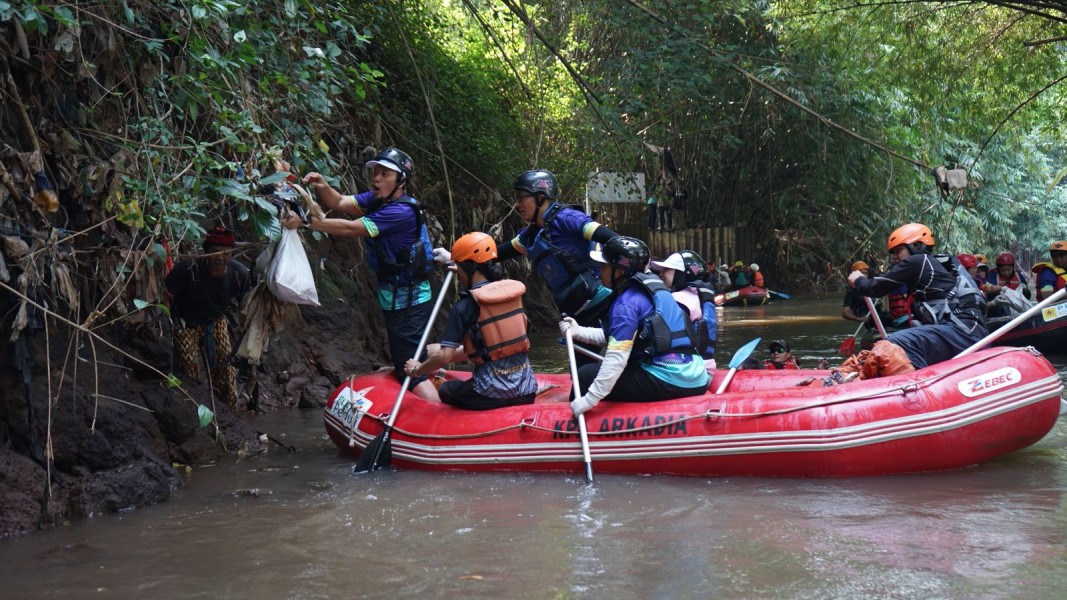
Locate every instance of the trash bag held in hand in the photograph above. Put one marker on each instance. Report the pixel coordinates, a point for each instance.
(289, 276)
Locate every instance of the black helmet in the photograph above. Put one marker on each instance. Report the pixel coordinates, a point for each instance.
(627, 253)
(396, 160)
(538, 182)
(695, 267)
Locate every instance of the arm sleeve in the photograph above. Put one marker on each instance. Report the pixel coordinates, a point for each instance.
(507, 251)
(610, 371)
(602, 234)
(590, 335)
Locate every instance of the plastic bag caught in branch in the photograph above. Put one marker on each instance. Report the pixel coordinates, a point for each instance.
(289, 276)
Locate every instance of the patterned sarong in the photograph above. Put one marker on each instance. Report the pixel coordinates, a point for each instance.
(212, 342)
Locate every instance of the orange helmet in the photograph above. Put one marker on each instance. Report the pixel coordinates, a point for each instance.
(859, 265)
(1005, 258)
(476, 246)
(981, 258)
(909, 234)
(1060, 246)
(967, 260)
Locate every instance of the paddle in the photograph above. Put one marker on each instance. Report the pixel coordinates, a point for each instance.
(781, 295)
(735, 362)
(1054, 298)
(583, 433)
(874, 315)
(380, 445)
(848, 347)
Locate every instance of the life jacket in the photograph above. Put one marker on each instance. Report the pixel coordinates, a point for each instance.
(573, 279)
(705, 326)
(757, 278)
(669, 329)
(501, 327)
(411, 268)
(789, 365)
(934, 306)
(740, 279)
(1012, 282)
(1061, 277)
(899, 305)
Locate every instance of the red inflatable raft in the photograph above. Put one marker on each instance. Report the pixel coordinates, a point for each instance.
(746, 296)
(951, 415)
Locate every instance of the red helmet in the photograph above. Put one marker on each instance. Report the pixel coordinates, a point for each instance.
(909, 234)
(967, 260)
(1005, 258)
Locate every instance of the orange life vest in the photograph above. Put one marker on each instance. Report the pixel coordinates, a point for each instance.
(757, 278)
(501, 327)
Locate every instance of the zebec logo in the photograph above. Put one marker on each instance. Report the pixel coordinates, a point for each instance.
(990, 382)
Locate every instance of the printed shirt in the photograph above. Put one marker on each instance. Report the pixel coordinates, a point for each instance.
(392, 226)
(509, 377)
(627, 314)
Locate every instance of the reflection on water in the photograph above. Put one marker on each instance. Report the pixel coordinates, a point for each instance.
(300, 525)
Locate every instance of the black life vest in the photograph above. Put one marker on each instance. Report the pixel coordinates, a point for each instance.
(408, 269)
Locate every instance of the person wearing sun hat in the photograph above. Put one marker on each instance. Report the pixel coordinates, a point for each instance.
(199, 291)
(684, 273)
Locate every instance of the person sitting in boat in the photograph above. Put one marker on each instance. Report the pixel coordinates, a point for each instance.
(780, 357)
(854, 308)
(1052, 277)
(684, 273)
(487, 325)
(1006, 276)
(651, 354)
(756, 277)
(945, 300)
(740, 276)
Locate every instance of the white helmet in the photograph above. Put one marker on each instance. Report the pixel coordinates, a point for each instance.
(754, 267)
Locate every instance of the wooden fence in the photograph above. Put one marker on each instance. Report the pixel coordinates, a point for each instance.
(716, 245)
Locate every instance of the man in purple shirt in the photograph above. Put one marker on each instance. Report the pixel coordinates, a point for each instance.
(400, 252)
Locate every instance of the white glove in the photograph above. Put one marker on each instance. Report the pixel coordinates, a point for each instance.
(442, 256)
(582, 405)
(853, 276)
(567, 323)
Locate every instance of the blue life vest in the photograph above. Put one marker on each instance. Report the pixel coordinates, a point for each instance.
(668, 329)
(411, 268)
(554, 265)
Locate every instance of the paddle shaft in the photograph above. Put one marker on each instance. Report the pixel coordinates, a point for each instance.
(1012, 324)
(385, 435)
(874, 315)
(582, 431)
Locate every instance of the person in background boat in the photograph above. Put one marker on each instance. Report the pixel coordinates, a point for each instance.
(947, 303)
(651, 353)
(970, 263)
(757, 277)
(722, 278)
(199, 291)
(780, 357)
(487, 326)
(678, 208)
(1006, 276)
(1050, 277)
(684, 273)
(740, 276)
(854, 308)
(557, 241)
(399, 247)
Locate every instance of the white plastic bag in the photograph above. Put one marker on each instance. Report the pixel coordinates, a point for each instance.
(289, 276)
